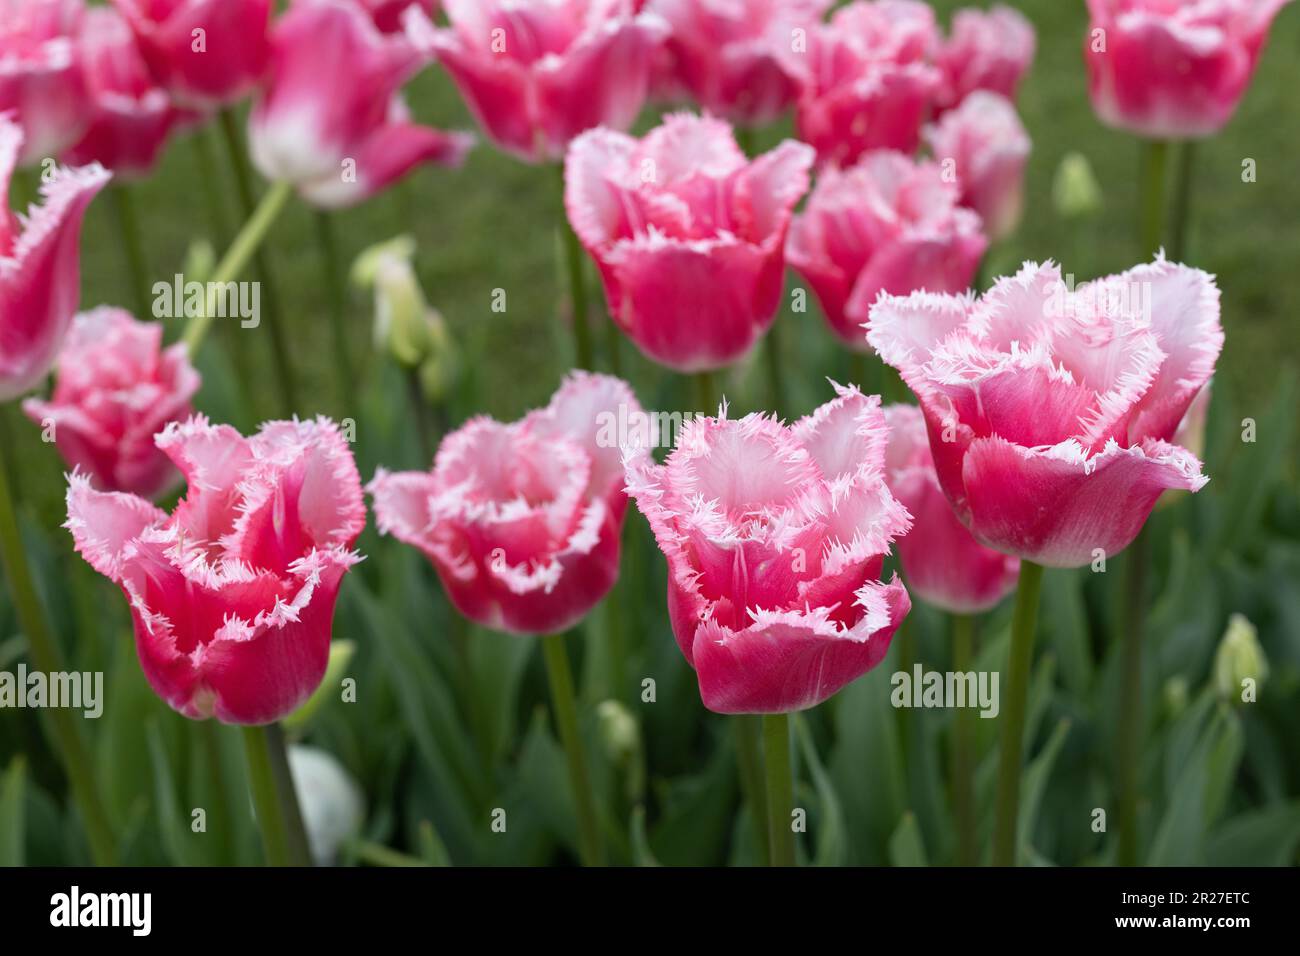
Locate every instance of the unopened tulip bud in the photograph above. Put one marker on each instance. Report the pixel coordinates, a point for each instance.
(1075, 190)
(619, 734)
(332, 804)
(1240, 666)
(1176, 694)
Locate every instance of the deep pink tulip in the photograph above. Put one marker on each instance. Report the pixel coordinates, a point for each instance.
(329, 119)
(40, 266)
(868, 83)
(522, 521)
(41, 82)
(733, 57)
(988, 148)
(889, 224)
(689, 234)
(536, 73)
(130, 115)
(1050, 411)
(389, 14)
(205, 53)
(233, 593)
(987, 50)
(115, 388)
(943, 564)
(775, 538)
(1169, 69)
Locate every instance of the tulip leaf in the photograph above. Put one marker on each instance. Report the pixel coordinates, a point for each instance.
(167, 810)
(340, 654)
(697, 811)
(832, 834)
(1033, 782)
(1199, 792)
(13, 799)
(1265, 837)
(432, 850)
(906, 847)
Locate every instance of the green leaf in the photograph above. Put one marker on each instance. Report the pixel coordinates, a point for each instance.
(1267, 837)
(832, 834)
(1198, 793)
(1032, 784)
(697, 810)
(167, 811)
(906, 848)
(340, 655)
(432, 850)
(13, 799)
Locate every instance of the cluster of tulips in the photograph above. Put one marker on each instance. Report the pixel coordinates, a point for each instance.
(1049, 417)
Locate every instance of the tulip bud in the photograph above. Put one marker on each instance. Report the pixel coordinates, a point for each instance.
(620, 737)
(1176, 694)
(1075, 190)
(332, 805)
(1240, 666)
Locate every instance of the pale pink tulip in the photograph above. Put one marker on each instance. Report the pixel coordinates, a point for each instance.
(40, 266)
(867, 81)
(536, 73)
(1169, 69)
(943, 564)
(689, 234)
(888, 224)
(41, 81)
(1051, 410)
(988, 50)
(775, 538)
(130, 115)
(985, 145)
(233, 593)
(522, 521)
(328, 118)
(115, 388)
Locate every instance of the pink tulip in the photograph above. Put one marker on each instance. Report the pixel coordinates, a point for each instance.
(389, 14)
(987, 147)
(734, 56)
(233, 593)
(943, 564)
(867, 81)
(130, 116)
(1166, 69)
(40, 274)
(328, 119)
(536, 73)
(688, 234)
(987, 51)
(1051, 410)
(116, 388)
(41, 82)
(205, 53)
(888, 224)
(775, 538)
(522, 521)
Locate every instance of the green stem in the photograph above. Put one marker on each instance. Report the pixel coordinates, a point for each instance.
(128, 228)
(274, 798)
(565, 711)
(218, 800)
(749, 762)
(706, 393)
(780, 788)
(331, 276)
(1180, 214)
(775, 378)
(963, 745)
(1011, 737)
(1129, 725)
(906, 659)
(207, 167)
(574, 260)
(47, 657)
(424, 426)
(270, 300)
(1154, 160)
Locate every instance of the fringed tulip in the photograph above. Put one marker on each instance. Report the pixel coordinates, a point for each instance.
(328, 119)
(988, 148)
(888, 224)
(688, 234)
(389, 14)
(987, 51)
(205, 53)
(868, 83)
(116, 387)
(1166, 69)
(775, 537)
(1051, 410)
(40, 266)
(943, 564)
(233, 593)
(536, 73)
(733, 57)
(131, 116)
(522, 521)
(41, 82)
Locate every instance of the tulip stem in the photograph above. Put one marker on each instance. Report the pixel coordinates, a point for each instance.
(274, 798)
(424, 427)
(573, 267)
(772, 359)
(1180, 214)
(1154, 160)
(963, 745)
(128, 227)
(1011, 742)
(236, 259)
(564, 710)
(332, 272)
(749, 762)
(780, 789)
(48, 658)
(1129, 724)
(706, 393)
